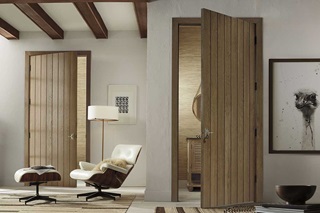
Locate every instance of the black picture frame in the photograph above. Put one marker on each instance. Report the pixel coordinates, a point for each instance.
(288, 131)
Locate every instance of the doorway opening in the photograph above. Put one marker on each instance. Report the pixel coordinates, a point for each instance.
(180, 142)
(186, 127)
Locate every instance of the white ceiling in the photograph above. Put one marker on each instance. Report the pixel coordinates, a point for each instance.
(116, 16)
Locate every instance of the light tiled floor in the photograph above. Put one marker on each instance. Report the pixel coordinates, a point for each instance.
(187, 199)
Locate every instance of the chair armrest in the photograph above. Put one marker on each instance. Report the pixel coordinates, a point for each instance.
(106, 166)
(86, 166)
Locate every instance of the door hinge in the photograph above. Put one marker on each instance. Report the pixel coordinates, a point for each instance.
(255, 86)
(255, 132)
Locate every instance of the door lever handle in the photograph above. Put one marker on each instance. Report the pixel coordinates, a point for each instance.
(72, 136)
(206, 133)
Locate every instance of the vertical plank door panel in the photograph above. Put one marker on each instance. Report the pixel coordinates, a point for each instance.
(220, 98)
(205, 107)
(227, 111)
(252, 116)
(32, 102)
(246, 112)
(229, 101)
(43, 108)
(240, 112)
(61, 113)
(73, 116)
(53, 113)
(38, 111)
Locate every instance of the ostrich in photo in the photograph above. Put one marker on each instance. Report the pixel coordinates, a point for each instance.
(306, 102)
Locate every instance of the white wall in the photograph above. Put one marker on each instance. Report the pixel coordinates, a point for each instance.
(121, 59)
(290, 29)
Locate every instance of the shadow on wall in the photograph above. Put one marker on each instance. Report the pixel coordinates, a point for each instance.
(3, 141)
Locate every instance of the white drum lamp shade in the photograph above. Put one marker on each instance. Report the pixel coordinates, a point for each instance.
(103, 113)
(106, 113)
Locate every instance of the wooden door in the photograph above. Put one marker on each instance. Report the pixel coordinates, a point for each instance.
(229, 110)
(53, 113)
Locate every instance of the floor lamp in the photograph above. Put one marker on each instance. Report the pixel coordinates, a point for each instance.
(103, 113)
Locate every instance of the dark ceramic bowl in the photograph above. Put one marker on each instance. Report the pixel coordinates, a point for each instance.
(295, 194)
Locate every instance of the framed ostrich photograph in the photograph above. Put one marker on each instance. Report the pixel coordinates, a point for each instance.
(294, 122)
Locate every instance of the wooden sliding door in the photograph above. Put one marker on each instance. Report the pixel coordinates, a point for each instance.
(53, 113)
(229, 105)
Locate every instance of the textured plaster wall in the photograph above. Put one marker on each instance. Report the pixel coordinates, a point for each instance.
(121, 59)
(290, 29)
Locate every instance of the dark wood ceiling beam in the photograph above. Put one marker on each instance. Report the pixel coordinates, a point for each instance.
(7, 31)
(64, 1)
(42, 19)
(141, 13)
(93, 19)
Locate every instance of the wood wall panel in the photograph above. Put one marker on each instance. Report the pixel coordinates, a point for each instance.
(234, 111)
(66, 117)
(246, 112)
(240, 111)
(73, 117)
(227, 113)
(55, 70)
(252, 118)
(205, 107)
(43, 112)
(221, 108)
(61, 113)
(81, 108)
(189, 82)
(37, 101)
(49, 108)
(32, 110)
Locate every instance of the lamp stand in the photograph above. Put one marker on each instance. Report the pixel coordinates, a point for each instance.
(102, 154)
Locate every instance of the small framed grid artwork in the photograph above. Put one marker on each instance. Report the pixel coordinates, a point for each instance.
(124, 97)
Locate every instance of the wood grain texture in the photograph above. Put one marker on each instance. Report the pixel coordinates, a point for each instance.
(51, 88)
(32, 111)
(227, 113)
(234, 111)
(212, 112)
(73, 117)
(252, 116)
(50, 109)
(255, 66)
(43, 110)
(49, 112)
(8, 31)
(240, 111)
(220, 102)
(141, 9)
(232, 108)
(246, 112)
(174, 109)
(37, 15)
(92, 17)
(206, 102)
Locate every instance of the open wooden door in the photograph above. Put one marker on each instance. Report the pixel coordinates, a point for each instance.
(229, 104)
(53, 113)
